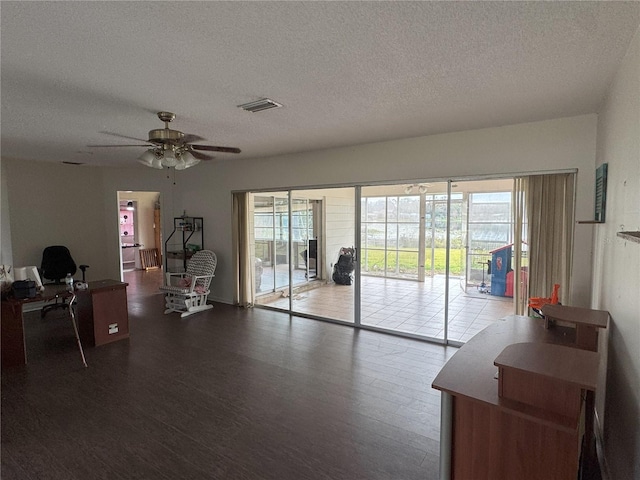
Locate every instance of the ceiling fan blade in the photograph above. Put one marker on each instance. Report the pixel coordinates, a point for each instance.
(102, 146)
(124, 136)
(190, 138)
(201, 156)
(212, 148)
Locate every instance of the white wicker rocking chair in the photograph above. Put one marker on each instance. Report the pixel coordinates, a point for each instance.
(187, 292)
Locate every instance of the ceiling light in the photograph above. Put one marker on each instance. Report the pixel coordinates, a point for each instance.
(421, 187)
(179, 158)
(181, 164)
(151, 158)
(185, 160)
(169, 157)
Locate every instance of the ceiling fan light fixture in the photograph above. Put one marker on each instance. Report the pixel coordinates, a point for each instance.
(151, 158)
(181, 165)
(421, 187)
(171, 148)
(169, 158)
(186, 160)
(157, 163)
(147, 158)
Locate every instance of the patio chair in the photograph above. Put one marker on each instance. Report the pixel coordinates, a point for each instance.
(187, 292)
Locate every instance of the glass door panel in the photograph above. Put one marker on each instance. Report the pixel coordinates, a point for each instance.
(272, 249)
(434, 244)
(282, 250)
(323, 225)
(263, 233)
(481, 235)
(395, 247)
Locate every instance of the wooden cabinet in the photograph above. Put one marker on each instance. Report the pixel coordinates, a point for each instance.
(102, 313)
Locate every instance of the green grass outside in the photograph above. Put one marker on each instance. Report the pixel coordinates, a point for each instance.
(373, 261)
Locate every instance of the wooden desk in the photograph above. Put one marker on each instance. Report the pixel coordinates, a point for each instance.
(112, 303)
(587, 322)
(515, 427)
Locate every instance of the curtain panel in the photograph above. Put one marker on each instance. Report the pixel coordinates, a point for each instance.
(520, 246)
(549, 203)
(244, 253)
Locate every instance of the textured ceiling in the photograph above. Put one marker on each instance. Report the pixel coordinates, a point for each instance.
(346, 72)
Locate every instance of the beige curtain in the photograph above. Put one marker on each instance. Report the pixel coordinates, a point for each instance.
(549, 202)
(520, 248)
(243, 251)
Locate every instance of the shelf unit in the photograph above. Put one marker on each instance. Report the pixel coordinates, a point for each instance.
(186, 238)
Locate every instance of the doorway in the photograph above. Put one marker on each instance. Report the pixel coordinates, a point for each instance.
(139, 227)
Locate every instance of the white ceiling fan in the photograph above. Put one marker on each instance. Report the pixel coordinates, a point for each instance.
(171, 148)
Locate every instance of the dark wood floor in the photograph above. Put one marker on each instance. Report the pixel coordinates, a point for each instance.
(228, 393)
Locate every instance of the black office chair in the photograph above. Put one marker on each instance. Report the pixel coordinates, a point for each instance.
(56, 264)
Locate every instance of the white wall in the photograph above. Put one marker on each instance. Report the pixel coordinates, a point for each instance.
(541, 146)
(616, 285)
(205, 190)
(6, 252)
(56, 204)
(339, 226)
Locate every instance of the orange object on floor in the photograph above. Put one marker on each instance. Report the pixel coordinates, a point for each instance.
(537, 302)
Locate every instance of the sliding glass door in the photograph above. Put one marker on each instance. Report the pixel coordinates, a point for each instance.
(431, 260)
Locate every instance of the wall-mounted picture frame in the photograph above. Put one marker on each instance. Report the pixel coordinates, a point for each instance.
(601, 193)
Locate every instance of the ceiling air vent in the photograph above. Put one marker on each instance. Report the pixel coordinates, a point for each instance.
(259, 105)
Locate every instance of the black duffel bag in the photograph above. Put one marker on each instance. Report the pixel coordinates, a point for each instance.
(24, 289)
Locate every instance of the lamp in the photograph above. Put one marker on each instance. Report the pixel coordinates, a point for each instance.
(168, 156)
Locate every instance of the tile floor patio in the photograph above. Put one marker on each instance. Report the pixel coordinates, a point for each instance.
(403, 305)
